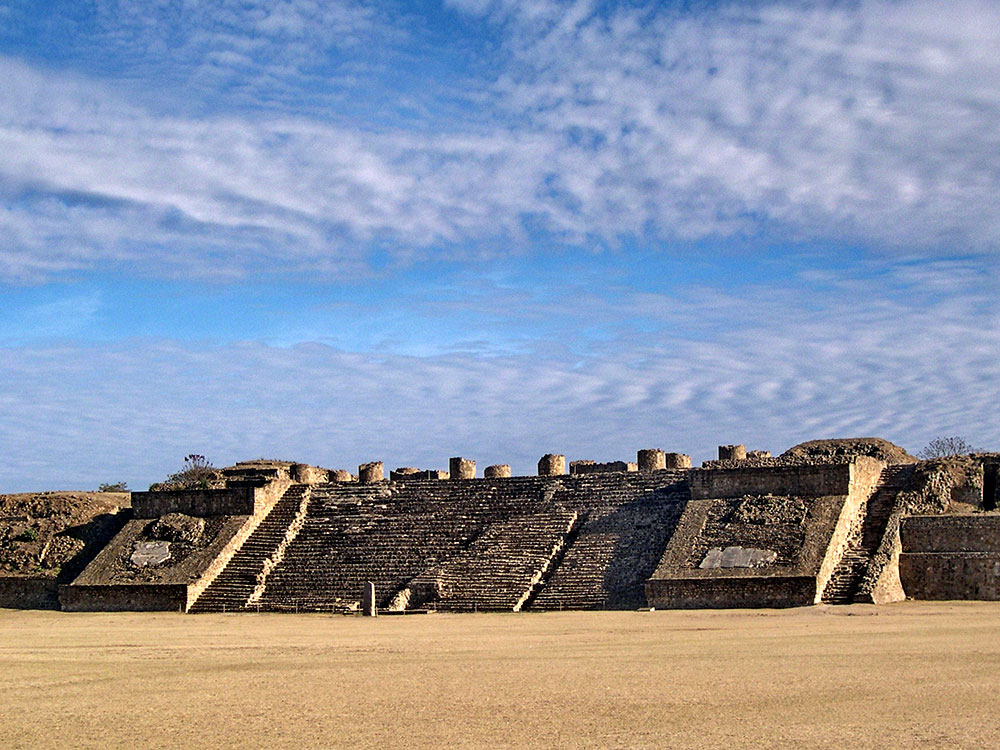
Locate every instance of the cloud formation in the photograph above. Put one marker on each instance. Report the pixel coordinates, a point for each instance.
(869, 124)
(897, 353)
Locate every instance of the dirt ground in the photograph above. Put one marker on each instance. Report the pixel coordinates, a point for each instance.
(906, 675)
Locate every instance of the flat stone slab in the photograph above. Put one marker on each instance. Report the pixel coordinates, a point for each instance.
(738, 557)
(147, 554)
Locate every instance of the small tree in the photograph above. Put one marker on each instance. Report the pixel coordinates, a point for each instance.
(113, 487)
(940, 447)
(197, 473)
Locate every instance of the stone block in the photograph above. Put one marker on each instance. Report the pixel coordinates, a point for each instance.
(370, 473)
(461, 468)
(149, 554)
(368, 608)
(341, 475)
(551, 465)
(737, 557)
(497, 471)
(758, 454)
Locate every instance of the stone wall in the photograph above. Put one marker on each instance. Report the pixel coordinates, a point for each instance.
(732, 591)
(972, 534)
(797, 481)
(950, 557)
(143, 597)
(232, 501)
(943, 576)
(28, 592)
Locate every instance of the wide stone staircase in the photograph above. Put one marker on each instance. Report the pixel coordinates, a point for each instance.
(615, 550)
(500, 570)
(357, 534)
(847, 576)
(479, 543)
(233, 587)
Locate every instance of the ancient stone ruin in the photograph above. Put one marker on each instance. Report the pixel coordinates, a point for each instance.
(826, 521)
(551, 465)
(370, 473)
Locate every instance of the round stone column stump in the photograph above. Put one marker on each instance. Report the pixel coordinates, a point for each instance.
(732, 452)
(552, 465)
(462, 468)
(651, 459)
(497, 471)
(678, 461)
(370, 473)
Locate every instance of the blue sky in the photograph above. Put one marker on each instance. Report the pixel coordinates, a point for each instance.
(343, 231)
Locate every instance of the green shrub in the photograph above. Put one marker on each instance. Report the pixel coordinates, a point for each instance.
(113, 487)
(30, 534)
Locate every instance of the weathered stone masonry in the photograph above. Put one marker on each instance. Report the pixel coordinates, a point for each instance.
(751, 531)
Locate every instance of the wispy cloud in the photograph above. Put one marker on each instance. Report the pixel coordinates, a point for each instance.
(870, 123)
(896, 355)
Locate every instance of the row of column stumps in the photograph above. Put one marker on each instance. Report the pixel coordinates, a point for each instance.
(653, 459)
(549, 465)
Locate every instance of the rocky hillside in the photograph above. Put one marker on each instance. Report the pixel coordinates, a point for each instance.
(55, 534)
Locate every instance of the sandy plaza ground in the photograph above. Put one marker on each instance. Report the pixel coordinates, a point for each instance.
(905, 675)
